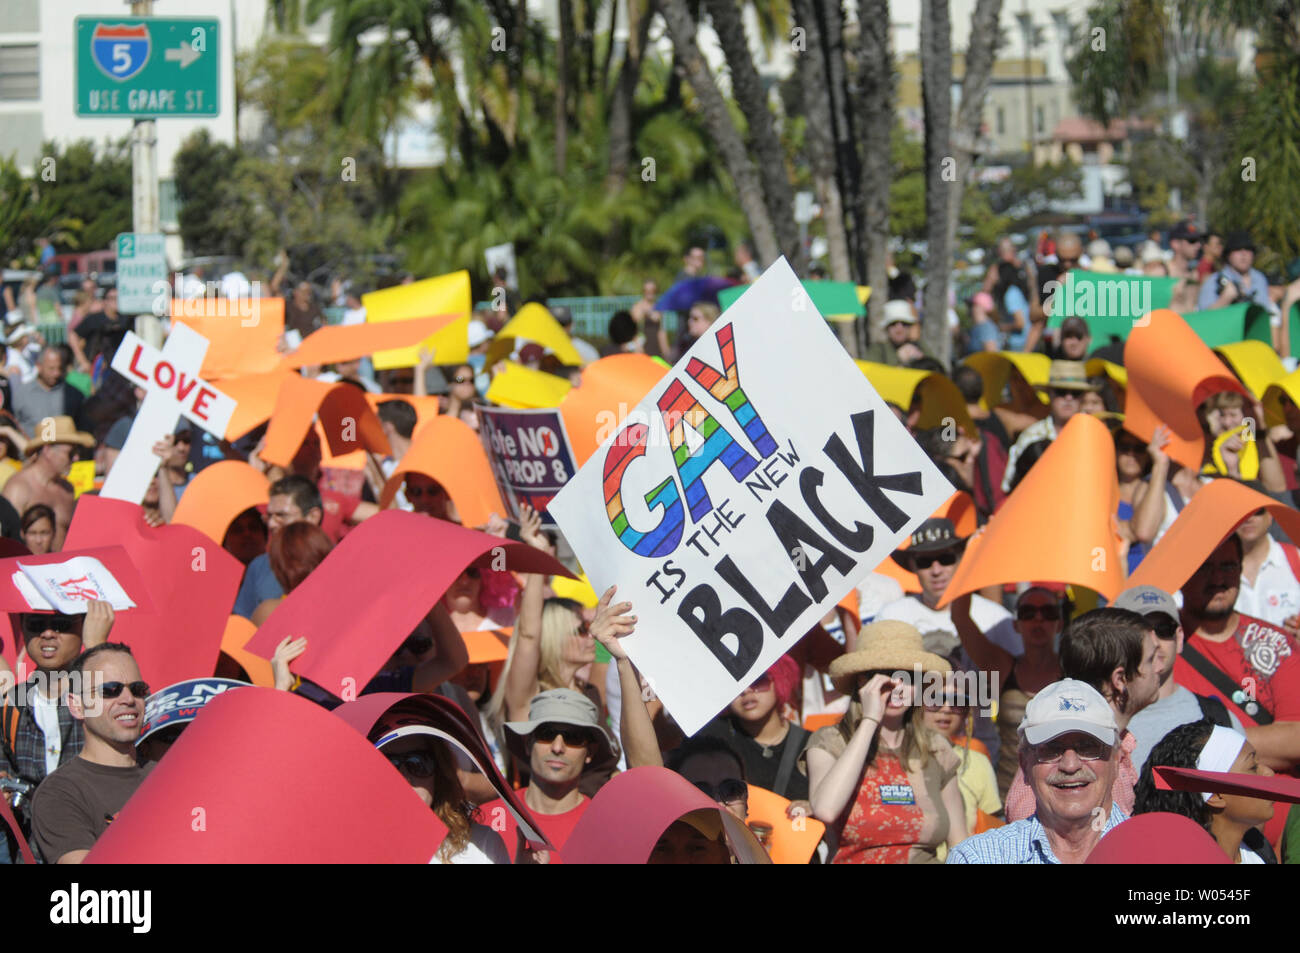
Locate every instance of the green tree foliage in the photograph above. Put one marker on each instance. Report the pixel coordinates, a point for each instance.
(79, 197)
(1033, 189)
(1260, 189)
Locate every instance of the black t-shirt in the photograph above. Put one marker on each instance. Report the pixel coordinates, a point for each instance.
(763, 763)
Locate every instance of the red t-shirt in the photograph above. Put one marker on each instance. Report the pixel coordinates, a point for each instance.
(556, 827)
(1257, 651)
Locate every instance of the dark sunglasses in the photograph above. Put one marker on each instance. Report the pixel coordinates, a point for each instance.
(1063, 392)
(727, 791)
(573, 737)
(415, 492)
(1047, 613)
(473, 572)
(36, 624)
(113, 689)
(417, 764)
(943, 559)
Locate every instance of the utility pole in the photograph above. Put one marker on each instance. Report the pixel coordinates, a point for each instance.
(1027, 32)
(144, 159)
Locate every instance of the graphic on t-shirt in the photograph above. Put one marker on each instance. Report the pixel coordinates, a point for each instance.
(897, 794)
(1264, 648)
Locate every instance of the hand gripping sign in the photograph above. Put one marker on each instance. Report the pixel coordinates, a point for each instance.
(171, 379)
(744, 496)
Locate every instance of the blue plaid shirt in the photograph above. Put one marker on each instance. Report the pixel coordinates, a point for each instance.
(1024, 842)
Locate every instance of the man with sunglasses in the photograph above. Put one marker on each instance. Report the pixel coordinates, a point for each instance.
(1174, 705)
(78, 801)
(562, 735)
(1115, 652)
(933, 554)
(39, 732)
(1066, 383)
(1069, 753)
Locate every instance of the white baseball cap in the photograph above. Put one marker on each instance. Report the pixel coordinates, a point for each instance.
(1066, 706)
(897, 311)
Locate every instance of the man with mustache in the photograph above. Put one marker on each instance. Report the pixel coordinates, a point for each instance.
(1245, 661)
(1116, 652)
(1069, 751)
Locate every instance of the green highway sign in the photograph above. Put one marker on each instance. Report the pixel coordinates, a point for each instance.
(141, 264)
(147, 67)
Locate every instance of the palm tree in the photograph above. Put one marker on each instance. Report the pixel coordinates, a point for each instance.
(717, 119)
(876, 89)
(936, 92)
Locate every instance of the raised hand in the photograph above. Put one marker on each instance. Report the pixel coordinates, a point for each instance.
(288, 650)
(874, 695)
(611, 623)
(99, 622)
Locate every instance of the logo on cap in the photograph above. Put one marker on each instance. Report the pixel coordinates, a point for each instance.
(1071, 704)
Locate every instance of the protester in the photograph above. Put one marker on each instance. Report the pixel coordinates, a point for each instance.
(1231, 819)
(1011, 295)
(38, 529)
(1069, 753)
(1039, 621)
(897, 348)
(1174, 705)
(1250, 665)
(98, 336)
(1066, 381)
(1237, 281)
(756, 727)
(1114, 652)
(426, 763)
(1138, 467)
(293, 499)
(76, 803)
(882, 780)
(559, 739)
(293, 552)
(950, 717)
(48, 395)
(1270, 575)
(45, 477)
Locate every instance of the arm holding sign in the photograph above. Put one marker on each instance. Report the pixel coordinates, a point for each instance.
(521, 680)
(636, 730)
(166, 489)
(833, 782)
(98, 623)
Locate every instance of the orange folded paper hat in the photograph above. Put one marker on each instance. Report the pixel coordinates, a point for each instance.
(1216, 510)
(610, 389)
(788, 845)
(238, 342)
(345, 415)
(1069, 498)
(1170, 373)
(238, 632)
(255, 396)
(448, 451)
(332, 345)
(218, 494)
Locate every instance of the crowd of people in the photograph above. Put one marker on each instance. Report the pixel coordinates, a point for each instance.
(836, 741)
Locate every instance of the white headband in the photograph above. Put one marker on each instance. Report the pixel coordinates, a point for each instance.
(1220, 752)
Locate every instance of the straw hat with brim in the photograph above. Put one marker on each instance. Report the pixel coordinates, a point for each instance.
(1067, 375)
(887, 646)
(559, 706)
(64, 431)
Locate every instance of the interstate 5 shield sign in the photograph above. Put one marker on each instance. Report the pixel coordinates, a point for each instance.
(119, 50)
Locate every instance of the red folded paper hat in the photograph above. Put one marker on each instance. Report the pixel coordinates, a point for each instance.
(266, 777)
(373, 589)
(629, 814)
(190, 581)
(1158, 838)
(1279, 787)
(455, 727)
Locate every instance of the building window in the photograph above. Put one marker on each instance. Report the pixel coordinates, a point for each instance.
(20, 76)
(1039, 121)
(1002, 121)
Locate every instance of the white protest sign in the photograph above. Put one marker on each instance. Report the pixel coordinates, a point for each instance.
(68, 586)
(171, 378)
(744, 496)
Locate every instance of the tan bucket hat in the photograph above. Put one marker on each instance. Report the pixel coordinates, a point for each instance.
(63, 431)
(887, 646)
(1067, 375)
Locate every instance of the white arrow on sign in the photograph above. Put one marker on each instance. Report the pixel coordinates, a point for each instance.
(183, 52)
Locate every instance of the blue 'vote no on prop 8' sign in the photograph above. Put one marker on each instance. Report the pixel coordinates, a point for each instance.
(119, 50)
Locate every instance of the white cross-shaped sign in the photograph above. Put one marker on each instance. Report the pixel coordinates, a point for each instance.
(171, 378)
